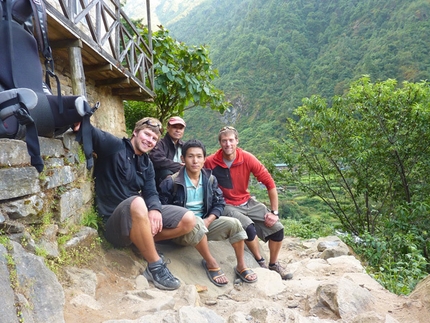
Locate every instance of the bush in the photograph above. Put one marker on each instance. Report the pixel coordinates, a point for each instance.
(308, 228)
(394, 260)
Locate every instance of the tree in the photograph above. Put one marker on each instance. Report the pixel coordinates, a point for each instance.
(366, 154)
(183, 80)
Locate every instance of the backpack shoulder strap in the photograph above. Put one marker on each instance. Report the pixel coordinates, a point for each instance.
(41, 27)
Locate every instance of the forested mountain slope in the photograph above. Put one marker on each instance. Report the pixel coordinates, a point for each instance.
(272, 53)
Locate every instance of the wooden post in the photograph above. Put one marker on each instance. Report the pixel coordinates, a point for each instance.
(77, 74)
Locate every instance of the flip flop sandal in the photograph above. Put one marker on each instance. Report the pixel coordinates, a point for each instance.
(214, 274)
(244, 274)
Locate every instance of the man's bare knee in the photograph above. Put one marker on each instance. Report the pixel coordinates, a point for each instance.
(188, 221)
(138, 208)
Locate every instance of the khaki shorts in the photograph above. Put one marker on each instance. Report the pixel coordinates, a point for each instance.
(223, 228)
(118, 225)
(253, 212)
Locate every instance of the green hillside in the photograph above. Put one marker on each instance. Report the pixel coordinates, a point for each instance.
(272, 53)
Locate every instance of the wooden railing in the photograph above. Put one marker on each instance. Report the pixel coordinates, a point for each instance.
(105, 29)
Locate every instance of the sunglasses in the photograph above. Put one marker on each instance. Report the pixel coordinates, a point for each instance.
(227, 128)
(151, 123)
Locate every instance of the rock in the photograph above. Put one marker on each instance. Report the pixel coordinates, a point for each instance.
(332, 247)
(11, 227)
(48, 241)
(372, 317)
(352, 299)
(112, 290)
(84, 300)
(141, 282)
(83, 237)
(25, 208)
(7, 308)
(82, 280)
(39, 286)
(199, 314)
(422, 292)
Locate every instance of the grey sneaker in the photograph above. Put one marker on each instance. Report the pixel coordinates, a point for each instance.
(281, 271)
(162, 277)
(262, 263)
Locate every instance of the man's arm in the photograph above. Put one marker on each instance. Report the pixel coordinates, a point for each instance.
(218, 202)
(273, 197)
(270, 219)
(156, 221)
(209, 219)
(149, 190)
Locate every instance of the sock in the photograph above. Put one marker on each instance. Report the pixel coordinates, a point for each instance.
(154, 264)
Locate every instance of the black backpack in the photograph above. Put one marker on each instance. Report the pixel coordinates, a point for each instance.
(27, 109)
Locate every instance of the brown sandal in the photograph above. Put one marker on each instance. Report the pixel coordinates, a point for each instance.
(244, 274)
(214, 274)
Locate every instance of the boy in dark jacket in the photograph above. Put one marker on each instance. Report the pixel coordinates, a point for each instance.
(196, 189)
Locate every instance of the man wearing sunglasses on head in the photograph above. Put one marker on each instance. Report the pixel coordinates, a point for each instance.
(166, 155)
(232, 166)
(128, 201)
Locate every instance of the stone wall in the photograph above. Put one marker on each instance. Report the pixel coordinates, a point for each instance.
(64, 188)
(62, 194)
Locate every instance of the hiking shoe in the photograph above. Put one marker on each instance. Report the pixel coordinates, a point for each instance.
(281, 271)
(138, 254)
(162, 277)
(262, 263)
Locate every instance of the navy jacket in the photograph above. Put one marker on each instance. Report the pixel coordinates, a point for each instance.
(213, 200)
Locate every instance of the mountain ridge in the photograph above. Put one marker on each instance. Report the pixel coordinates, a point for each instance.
(272, 54)
(162, 11)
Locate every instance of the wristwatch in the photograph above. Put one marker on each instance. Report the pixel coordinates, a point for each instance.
(274, 212)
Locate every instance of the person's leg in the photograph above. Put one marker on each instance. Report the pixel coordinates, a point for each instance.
(252, 239)
(254, 245)
(242, 269)
(230, 228)
(177, 221)
(256, 211)
(129, 224)
(274, 249)
(211, 263)
(140, 232)
(198, 239)
(275, 244)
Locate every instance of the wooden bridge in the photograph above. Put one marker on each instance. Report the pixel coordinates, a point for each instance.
(99, 40)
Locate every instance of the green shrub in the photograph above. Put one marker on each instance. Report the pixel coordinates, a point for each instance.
(394, 260)
(308, 228)
(91, 219)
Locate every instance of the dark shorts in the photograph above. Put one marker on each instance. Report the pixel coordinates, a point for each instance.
(118, 226)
